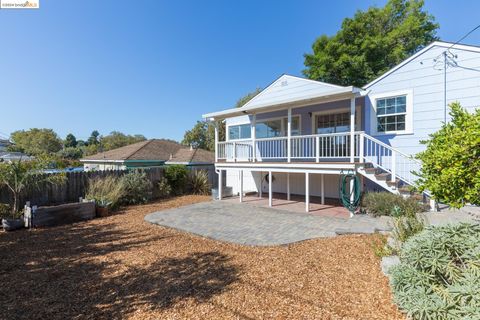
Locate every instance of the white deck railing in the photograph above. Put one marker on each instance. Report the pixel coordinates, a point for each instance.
(324, 147)
(317, 146)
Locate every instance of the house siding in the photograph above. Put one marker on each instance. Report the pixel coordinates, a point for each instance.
(426, 82)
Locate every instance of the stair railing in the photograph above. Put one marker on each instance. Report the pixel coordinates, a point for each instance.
(391, 160)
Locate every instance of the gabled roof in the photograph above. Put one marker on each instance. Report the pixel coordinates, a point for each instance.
(192, 156)
(443, 44)
(285, 91)
(154, 149)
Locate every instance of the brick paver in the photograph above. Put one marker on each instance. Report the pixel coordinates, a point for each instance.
(253, 225)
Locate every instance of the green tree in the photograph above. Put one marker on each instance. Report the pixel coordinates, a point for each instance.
(71, 153)
(371, 43)
(93, 139)
(117, 139)
(36, 141)
(70, 141)
(202, 135)
(451, 162)
(18, 175)
(249, 96)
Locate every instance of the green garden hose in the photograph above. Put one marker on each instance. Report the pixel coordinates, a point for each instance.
(350, 199)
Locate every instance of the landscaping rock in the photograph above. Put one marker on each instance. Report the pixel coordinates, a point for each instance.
(388, 262)
(355, 230)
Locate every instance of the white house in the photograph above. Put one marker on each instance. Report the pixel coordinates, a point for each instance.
(302, 134)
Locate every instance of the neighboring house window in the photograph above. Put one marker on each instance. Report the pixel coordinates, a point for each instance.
(242, 131)
(276, 127)
(391, 113)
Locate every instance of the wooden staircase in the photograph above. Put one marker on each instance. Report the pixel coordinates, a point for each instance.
(387, 167)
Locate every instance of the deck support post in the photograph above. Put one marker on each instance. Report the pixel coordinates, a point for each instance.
(216, 141)
(307, 192)
(352, 195)
(288, 186)
(220, 184)
(289, 135)
(322, 188)
(352, 130)
(241, 185)
(260, 190)
(254, 137)
(269, 188)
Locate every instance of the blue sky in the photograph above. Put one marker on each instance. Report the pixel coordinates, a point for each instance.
(154, 67)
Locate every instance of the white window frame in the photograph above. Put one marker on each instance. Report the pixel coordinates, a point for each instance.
(227, 130)
(358, 116)
(408, 113)
(283, 127)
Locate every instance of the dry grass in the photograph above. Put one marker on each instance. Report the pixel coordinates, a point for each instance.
(121, 267)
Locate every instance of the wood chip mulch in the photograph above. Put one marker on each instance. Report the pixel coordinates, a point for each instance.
(121, 267)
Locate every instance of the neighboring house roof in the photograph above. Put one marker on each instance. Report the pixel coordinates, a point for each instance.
(444, 44)
(13, 156)
(154, 149)
(285, 91)
(192, 156)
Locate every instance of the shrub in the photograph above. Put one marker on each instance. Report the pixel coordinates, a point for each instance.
(164, 188)
(451, 160)
(389, 204)
(5, 211)
(137, 187)
(107, 191)
(439, 273)
(407, 225)
(199, 182)
(177, 177)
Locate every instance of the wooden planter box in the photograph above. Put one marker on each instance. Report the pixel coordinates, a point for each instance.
(63, 214)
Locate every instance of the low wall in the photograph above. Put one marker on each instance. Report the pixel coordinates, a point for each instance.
(62, 214)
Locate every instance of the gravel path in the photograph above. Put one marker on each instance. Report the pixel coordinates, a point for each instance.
(121, 267)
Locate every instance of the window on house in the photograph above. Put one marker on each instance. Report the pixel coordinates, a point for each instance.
(332, 123)
(276, 127)
(242, 131)
(391, 113)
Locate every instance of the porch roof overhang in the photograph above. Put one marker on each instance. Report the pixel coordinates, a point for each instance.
(341, 93)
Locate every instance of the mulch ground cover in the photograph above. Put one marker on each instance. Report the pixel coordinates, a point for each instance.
(121, 267)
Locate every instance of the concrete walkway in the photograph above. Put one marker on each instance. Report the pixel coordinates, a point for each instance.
(253, 225)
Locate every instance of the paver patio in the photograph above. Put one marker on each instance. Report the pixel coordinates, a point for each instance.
(255, 225)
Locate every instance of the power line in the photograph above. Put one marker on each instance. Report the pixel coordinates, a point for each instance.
(449, 61)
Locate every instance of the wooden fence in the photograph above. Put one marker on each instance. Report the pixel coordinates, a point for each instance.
(76, 184)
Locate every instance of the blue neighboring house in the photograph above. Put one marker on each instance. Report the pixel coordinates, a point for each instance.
(303, 134)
